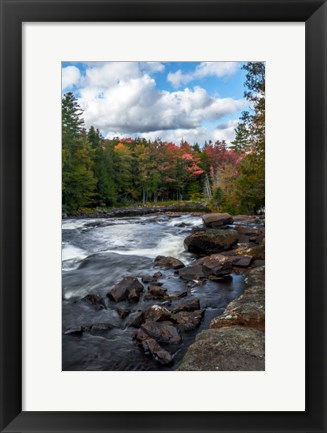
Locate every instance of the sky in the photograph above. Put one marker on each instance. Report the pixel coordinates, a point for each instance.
(173, 101)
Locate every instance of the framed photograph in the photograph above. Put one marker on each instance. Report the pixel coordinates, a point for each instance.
(163, 216)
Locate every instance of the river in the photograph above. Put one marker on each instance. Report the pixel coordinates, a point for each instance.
(96, 254)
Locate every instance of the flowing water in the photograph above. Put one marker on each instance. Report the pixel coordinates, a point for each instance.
(96, 254)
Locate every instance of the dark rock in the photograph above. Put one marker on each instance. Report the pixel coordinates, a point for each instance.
(95, 300)
(187, 320)
(235, 348)
(189, 305)
(162, 332)
(155, 292)
(243, 262)
(135, 319)
(122, 289)
(213, 220)
(217, 265)
(192, 272)
(147, 279)
(249, 234)
(168, 262)
(150, 346)
(122, 312)
(75, 330)
(134, 294)
(157, 275)
(211, 241)
(156, 313)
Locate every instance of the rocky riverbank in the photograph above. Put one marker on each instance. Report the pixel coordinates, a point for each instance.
(163, 309)
(178, 209)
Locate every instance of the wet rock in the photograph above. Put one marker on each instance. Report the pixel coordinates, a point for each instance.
(156, 313)
(168, 262)
(243, 261)
(156, 293)
(187, 305)
(157, 275)
(235, 348)
(213, 220)
(134, 294)
(249, 234)
(75, 330)
(135, 319)
(217, 265)
(192, 272)
(122, 312)
(162, 332)
(127, 286)
(211, 241)
(95, 300)
(187, 320)
(152, 347)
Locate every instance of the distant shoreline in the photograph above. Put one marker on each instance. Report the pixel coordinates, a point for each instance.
(187, 207)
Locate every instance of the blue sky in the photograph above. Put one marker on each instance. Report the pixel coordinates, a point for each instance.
(194, 101)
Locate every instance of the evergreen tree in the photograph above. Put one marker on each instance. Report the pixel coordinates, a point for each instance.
(78, 180)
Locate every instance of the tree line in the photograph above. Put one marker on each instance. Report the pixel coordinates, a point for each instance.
(98, 172)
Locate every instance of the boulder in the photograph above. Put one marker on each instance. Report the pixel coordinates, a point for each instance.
(128, 287)
(187, 320)
(122, 312)
(235, 348)
(134, 294)
(213, 220)
(187, 305)
(135, 319)
(247, 233)
(162, 332)
(153, 348)
(95, 300)
(168, 262)
(256, 277)
(242, 314)
(243, 261)
(156, 313)
(192, 272)
(211, 241)
(217, 265)
(155, 292)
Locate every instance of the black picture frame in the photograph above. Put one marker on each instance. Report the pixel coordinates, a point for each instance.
(13, 14)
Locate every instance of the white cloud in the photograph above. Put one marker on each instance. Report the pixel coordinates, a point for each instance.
(70, 76)
(121, 99)
(134, 104)
(204, 69)
(225, 131)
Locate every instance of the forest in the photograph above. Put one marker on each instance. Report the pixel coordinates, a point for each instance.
(120, 172)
